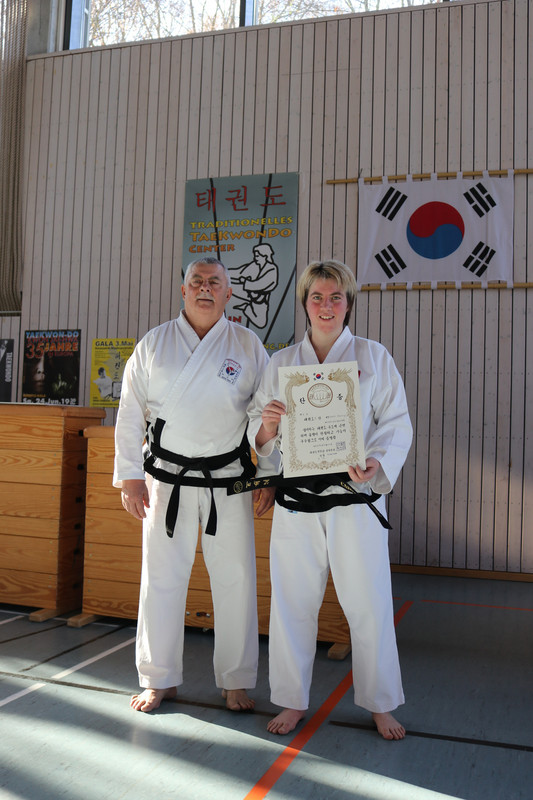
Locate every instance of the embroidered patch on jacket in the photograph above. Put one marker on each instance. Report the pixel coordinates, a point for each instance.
(230, 370)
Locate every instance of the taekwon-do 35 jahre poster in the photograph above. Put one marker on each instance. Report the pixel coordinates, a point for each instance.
(51, 368)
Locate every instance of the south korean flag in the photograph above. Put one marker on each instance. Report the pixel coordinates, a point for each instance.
(452, 230)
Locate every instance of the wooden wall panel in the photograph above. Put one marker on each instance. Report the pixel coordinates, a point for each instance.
(442, 83)
(416, 85)
(428, 90)
(283, 104)
(454, 101)
(113, 134)
(273, 98)
(526, 476)
(448, 468)
(341, 135)
(400, 157)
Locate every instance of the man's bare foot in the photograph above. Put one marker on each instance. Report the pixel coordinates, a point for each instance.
(388, 727)
(238, 700)
(149, 699)
(286, 721)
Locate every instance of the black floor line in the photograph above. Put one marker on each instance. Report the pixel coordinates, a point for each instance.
(462, 740)
(33, 633)
(54, 681)
(106, 690)
(195, 703)
(76, 647)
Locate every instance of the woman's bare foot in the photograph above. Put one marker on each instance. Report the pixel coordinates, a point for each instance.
(388, 727)
(238, 700)
(286, 721)
(149, 699)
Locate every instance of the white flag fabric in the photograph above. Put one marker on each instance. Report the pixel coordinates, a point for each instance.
(436, 230)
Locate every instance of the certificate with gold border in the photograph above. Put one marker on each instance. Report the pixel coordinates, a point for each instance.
(322, 431)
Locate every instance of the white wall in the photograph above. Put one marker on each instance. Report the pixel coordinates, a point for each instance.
(113, 134)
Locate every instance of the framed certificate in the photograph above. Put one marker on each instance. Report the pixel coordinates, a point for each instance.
(322, 431)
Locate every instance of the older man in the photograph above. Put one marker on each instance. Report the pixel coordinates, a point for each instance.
(186, 389)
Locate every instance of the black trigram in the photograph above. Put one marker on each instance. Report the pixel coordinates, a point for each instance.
(391, 202)
(479, 259)
(480, 200)
(390, 261)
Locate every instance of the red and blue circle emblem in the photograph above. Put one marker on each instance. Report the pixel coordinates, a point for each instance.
(435, 230)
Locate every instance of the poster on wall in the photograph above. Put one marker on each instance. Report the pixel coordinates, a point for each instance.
(108, 360)
(6, 369)
(249, 223)
(51, 369)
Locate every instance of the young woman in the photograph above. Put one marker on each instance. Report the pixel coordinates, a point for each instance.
(348, 539)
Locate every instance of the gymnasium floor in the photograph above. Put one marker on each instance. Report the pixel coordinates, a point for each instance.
(466, 649)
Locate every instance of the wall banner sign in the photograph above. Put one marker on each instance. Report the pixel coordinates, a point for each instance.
(249, 223)
(453, 230)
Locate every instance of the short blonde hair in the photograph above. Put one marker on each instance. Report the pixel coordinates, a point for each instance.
(327, 270)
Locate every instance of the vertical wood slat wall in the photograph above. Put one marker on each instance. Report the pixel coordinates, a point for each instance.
(113, 134)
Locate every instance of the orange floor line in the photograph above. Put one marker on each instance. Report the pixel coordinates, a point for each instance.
(283, 762)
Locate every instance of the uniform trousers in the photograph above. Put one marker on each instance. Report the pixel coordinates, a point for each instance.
(230, 560)
(351, 542)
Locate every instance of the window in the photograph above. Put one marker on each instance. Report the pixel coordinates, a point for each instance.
(114, 21)
(77, 16)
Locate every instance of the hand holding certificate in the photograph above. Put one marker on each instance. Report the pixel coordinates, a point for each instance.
(322, 430)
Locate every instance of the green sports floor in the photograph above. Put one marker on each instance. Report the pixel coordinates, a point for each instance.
(466, 650)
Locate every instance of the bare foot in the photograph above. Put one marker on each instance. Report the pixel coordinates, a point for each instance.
(238, 700)
(388, 727)
(149, 699)
(286, 721)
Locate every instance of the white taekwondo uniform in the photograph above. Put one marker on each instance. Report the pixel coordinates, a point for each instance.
(347, 539)
(201, 388)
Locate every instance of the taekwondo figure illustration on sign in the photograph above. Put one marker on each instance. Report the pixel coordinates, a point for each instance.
(253, 283)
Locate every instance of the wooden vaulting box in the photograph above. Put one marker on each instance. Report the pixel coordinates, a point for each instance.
(112, 560)
(42, 505)
(112, 565)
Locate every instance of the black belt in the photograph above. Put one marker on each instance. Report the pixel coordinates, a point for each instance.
(312, 501)
(201, 464)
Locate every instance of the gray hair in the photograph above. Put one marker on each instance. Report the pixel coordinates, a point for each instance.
(206, 260)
